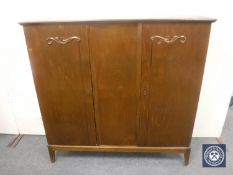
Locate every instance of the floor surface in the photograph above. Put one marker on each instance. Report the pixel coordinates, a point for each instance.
(30, 157)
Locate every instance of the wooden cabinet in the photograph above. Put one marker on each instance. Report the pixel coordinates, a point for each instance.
(124, 86)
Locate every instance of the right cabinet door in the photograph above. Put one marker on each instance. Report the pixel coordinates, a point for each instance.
(173, 59)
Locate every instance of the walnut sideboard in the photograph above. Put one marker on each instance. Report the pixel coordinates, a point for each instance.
(118, 85)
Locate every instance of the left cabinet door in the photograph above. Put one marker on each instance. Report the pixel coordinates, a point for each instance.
(60, 65)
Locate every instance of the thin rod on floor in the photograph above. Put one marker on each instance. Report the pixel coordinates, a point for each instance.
(16, 140)
(13, 141)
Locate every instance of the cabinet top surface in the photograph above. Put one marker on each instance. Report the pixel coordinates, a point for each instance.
(158, 19)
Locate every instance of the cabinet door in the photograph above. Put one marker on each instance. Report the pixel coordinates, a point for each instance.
(173, 58)
(115, 68)
(61, 70)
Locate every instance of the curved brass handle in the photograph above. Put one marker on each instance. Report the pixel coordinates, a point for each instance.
(168, 39)
(156, 39)
(61, 40)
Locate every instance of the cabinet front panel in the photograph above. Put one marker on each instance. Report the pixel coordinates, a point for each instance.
(61, 69)
(173, 57)
(115, 68)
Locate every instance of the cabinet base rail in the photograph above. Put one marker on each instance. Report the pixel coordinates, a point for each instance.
(53, 148)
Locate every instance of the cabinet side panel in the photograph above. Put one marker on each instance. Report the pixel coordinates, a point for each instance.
(175, 57)
(116, 76)
(57, 67)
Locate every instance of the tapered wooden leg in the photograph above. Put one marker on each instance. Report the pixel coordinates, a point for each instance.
(51, 154)
(186, 156)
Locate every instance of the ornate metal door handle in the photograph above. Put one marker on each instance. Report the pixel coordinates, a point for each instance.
(61, 40)
(168, 39)
(156, 39)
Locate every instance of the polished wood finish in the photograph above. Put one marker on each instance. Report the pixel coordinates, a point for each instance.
(180, 19)
(106, 148)
(63, 83)
(52, 154)
(121, 86)
(116, 69)
(171, 76)
(186, 156)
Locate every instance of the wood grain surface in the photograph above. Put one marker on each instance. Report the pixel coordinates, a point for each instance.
(63, 83)
(123, 86)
